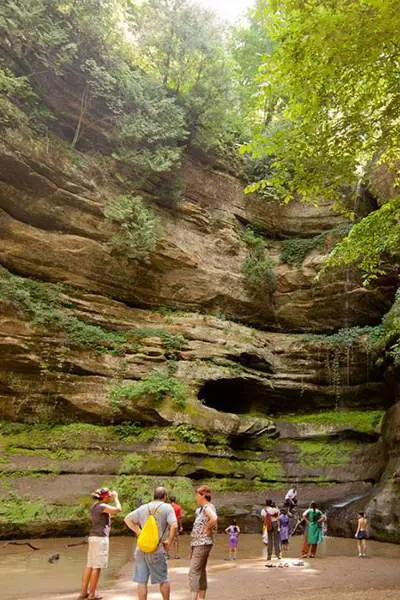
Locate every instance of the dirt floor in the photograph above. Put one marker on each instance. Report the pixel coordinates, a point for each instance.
(333, 578)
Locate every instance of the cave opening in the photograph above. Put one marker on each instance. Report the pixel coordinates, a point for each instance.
(241, 396)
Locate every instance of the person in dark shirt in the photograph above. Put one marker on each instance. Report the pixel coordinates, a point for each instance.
(97, 558)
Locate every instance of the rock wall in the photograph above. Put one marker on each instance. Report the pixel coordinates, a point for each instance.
(255, 388)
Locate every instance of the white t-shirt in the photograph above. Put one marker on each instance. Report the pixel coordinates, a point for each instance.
(272, 511)
(291, 495)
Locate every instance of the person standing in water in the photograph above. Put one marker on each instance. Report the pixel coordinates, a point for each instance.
(362, 534)
(97, 558)
(314, 519)
(233, 531)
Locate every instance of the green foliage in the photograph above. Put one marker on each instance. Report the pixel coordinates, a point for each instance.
(349, 337)
(363, 421)
(182, 45)
(294, 251)
(45, 304)
(257, 267)
(139, 227)
(372, 244)
(132, 463)
(18, 510)
(323, 87)
(17, 88)
(142, 124)
(391, 330)
(156, 384)
(325, 123)
(189, 434)
(134, 490)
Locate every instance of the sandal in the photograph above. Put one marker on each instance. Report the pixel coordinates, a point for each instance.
(82, 596)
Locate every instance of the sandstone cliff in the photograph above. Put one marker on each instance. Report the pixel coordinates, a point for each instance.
(80, 326)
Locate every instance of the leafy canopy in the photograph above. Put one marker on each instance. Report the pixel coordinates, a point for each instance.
(330, 76)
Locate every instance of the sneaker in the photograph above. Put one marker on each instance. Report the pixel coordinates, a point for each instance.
(360, 555)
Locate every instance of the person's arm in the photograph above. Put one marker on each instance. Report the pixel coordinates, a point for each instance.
(238, 528)
(132, 522)
(113, 510)
(227, 529)
(358, 527)
(212, 520)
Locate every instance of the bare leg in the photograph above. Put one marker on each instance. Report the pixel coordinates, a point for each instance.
(364, 547)
(85, 580)
(202, 594)
(165, 590)
(142, 591)
(94, 580)
(359, 547)
(313, 549)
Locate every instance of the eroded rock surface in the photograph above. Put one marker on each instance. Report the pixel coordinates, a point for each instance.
(243, 385)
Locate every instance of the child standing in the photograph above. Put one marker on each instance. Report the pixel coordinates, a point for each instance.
(233, 531)
(362, 534)
(284, 526)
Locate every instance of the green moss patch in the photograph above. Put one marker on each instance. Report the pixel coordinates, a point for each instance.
(156, 384)
(78, 436)
(315, 454)
(47, 304)
(362, 421)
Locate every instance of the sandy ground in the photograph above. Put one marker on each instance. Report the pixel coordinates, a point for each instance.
(333, 578)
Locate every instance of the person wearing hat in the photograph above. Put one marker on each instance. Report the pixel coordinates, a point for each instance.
(97, 558)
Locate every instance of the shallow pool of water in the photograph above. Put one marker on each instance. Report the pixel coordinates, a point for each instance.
(25, 572)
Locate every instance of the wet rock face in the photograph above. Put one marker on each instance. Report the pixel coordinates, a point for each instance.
(52, 227)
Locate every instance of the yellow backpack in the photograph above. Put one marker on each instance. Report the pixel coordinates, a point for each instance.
(149, 539)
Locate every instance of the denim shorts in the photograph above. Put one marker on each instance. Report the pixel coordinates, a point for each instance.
(150, 565)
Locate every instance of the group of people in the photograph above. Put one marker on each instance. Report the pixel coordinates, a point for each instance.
(163, 518)
(166, 519)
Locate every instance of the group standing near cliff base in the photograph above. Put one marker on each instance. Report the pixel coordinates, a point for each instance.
(158, 525)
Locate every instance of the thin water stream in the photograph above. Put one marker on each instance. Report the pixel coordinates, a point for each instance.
(26, 573)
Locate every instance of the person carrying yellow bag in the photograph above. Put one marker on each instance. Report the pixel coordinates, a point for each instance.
(151, 523)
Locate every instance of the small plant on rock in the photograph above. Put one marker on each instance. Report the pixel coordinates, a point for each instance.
(257, 267)
(139, 227)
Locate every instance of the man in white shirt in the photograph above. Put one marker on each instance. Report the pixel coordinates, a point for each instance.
(291, 498)
(270, 513)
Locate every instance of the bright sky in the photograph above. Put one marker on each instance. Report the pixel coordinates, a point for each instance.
(228, 10)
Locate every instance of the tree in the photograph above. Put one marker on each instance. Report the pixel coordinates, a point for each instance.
(332, 75)
(184, 47)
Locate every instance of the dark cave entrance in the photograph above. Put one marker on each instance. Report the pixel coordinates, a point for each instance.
(239, 396)
(242, 395)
